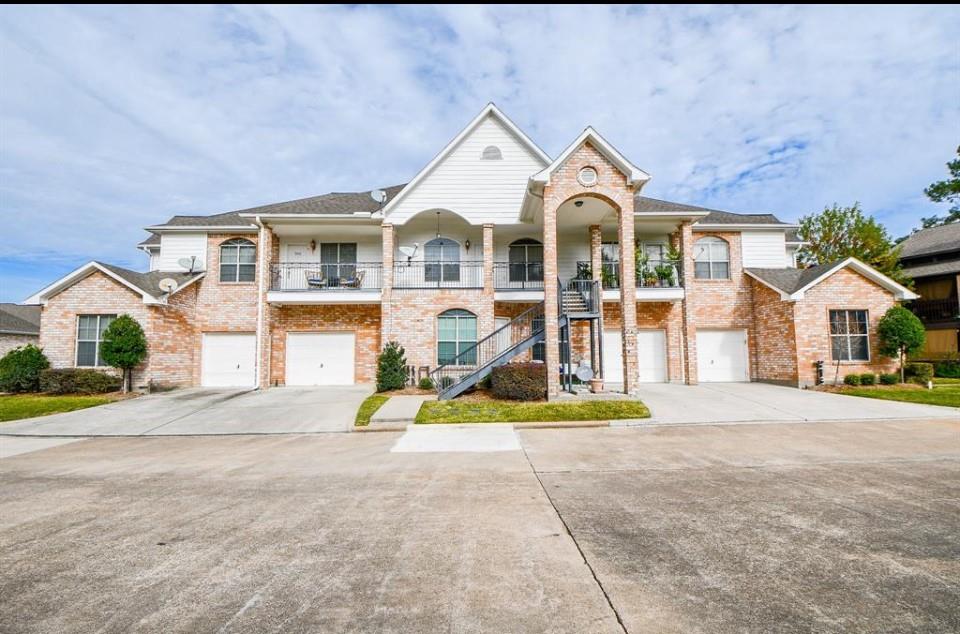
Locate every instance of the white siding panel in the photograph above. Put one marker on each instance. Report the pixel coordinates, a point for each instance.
(174, 246)
(764, 249)
(154, 260)
(479, 190)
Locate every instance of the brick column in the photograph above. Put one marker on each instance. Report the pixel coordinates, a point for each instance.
(386, 282)
(628, 295)
(488, 261)
(596, 267)
(689, 325)
(551, 272)
(269, 254)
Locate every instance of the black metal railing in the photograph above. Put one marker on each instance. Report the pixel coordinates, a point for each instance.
(438, 275)
(578, 296)
(518, 276)
(317, 276)
(935, 310)
(488, 350)
(657, 274)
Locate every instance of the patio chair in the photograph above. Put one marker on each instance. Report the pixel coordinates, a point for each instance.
(356, 281)
(315, 279)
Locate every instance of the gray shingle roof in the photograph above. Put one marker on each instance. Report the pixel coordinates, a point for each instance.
(642, 205)
(793, 235)
(333, 203)
(936, 268)
(19, 319)
(153, 240)
(148, 282)
(932, 240)
(791, 280)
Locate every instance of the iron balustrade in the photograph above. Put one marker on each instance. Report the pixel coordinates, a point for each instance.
(518, 276)
(656, 274)
(421, 274)
(936, 310)
(318, 276)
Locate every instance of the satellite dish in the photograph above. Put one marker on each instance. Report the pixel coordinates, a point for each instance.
(379, 195)
(409, 251)
(188, 263)
(584, 373)
(167, 284)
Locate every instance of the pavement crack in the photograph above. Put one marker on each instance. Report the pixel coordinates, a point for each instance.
(583, 555)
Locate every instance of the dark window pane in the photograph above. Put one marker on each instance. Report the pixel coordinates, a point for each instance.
(329, 253)
(535, 272)
(859, 348)
(468, 354)
(518, 271)
(247, 273)
(702, 270)
(105, 321)
(228, 272)
(86, 353)
(228, 254)
(838, 348)
(858, 322)
(451, 272)
(87, 327)
(248, 254)
(721, 270)
(446, 352)
(348, 252)
(431, 272)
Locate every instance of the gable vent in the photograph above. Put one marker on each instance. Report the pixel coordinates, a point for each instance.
(491, 153)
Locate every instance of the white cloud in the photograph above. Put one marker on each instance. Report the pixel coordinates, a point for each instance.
(110, 121)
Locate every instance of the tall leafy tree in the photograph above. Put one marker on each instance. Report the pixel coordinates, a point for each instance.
(124, 346)
(841, 232)
(901, 333)
(948, 191)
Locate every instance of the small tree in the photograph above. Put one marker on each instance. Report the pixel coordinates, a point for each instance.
(124, 346)
(21, 367)
(901, 333)
(392, 368)
(946, 191)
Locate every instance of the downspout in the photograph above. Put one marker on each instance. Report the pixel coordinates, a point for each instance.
(258, 364)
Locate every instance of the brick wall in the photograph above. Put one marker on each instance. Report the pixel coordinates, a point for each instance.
(363, 319)
(844, 289)
(9, 342)
(775, 343)
(171, 331)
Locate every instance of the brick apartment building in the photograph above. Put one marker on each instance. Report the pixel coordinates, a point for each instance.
(493, 252)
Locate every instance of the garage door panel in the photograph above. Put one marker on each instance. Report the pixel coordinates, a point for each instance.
(651, 355)
(722, 355)
(228, 360)
(320, 358)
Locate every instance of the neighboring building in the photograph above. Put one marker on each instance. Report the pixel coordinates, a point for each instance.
(493, 251)
(932, 258)
(19, 325)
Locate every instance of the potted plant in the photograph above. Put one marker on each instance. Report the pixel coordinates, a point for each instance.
(664, 273)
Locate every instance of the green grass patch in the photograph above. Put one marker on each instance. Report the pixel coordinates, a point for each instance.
(944, 381)
(368, 408)
(17, 406)
(947, 394)
(512, 412)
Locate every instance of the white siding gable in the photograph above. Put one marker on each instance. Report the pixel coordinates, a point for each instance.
(174, 246)
(482, 191)
(764, 249)
(154, 259)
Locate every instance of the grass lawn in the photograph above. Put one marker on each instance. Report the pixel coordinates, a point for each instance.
(944, 392)
(17, 406)
(513, 412)
(368, 408)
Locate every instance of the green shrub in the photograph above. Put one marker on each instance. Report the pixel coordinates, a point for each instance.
(392, 368)
(426, 383)
(852, 379)
(79, 381)
(947, 369)
(901, 333)
(124, 346)
(868, 378)
(520, 381)
(20, 369)
(889, 379)
(919, 372)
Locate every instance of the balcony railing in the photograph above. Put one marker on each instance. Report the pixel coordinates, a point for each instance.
(656, 274)
(518, 276)
(314, 276)
(438, 275)
(936, 310)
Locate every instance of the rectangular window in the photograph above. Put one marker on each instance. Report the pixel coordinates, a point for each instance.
(456, 336)
(338, 260)
(848, 335)
(90, 330)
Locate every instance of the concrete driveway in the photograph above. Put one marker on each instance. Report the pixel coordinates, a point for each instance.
(745, 528)
(746, 402)
(205, 411)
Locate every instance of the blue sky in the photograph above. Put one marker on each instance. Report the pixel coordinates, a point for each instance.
(113, 119)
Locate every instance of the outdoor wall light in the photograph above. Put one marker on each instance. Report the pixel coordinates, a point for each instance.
(313, 245)
(466, 245)
(578, 203)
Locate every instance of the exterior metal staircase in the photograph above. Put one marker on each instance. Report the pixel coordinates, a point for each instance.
(579, 299)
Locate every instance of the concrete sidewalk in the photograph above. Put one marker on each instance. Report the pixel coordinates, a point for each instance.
(398, 412)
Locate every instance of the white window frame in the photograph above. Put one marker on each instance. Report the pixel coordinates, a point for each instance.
(848, 336)
(459, 314)
(96, 342)
(705, 246)
(236, 244)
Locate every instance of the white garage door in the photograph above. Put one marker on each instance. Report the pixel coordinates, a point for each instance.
(320, 358)
(651, 355)
(228, 360)
(722, 355)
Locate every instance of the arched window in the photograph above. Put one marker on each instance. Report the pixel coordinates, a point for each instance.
(526, 260)
(441, 260)
(456, 337)
(238, 261)
(492, 153)
(711, 258)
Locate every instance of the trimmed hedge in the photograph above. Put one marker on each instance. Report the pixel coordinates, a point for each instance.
(868, 378)
(852, 379)
(21, 367)
(79, 381)
(426, 383)
(392, 368)
(947, 369)
(520, 381)
(889, 379)
(919, 372)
